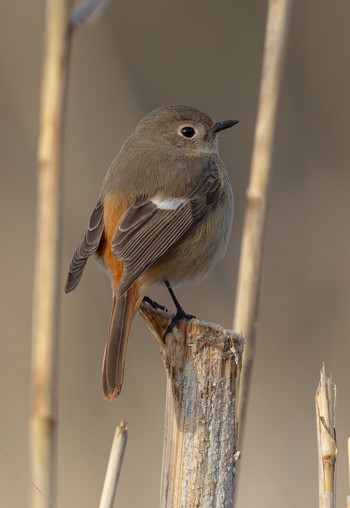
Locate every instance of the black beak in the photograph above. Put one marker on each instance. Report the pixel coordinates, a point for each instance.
(224, 124)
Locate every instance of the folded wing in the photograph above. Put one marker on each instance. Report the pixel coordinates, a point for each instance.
(88, 245)
(151, 227)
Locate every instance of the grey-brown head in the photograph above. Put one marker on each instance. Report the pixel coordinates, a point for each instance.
(183, 127)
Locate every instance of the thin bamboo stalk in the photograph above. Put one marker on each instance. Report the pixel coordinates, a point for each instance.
(114, 465)
(47, 261)
(42, 427)
(202, 363)
(249, 276)
(326, 441)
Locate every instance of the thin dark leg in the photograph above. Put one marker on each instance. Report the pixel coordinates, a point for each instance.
(180, 313)
(172, 294)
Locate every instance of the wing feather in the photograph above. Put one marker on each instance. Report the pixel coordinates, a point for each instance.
(87, 246)
(147, 232)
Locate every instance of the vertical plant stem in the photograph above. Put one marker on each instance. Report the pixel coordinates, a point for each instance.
(326, 441)
(114, 465)
(202, 364)
(348, 496)
(249, 276)
(47, 261)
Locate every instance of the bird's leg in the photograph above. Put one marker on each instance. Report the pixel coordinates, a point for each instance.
(180, 313)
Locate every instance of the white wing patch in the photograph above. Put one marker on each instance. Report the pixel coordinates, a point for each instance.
(167, 203)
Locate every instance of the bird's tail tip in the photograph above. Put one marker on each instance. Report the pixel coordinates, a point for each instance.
(123, 311)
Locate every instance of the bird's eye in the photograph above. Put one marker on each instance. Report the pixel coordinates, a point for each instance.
(188, 132)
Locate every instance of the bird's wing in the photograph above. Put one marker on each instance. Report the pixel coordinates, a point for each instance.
(150, 227)
(88, 245)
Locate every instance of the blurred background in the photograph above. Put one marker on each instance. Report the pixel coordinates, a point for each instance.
(207, 54)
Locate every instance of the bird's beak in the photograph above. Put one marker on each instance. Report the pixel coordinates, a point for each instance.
(224, 124)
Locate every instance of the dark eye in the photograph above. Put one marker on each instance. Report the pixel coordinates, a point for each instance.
(188, 132)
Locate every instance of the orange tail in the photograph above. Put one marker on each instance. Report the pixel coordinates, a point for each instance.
(123, 311)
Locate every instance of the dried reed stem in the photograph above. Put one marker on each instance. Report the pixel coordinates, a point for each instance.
(42, 438)
(348, 496)
(114, 465)
(247, 294)
(202, 363)
(326, 441)
(47, 261)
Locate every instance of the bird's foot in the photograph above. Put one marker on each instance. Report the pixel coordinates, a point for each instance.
(180, 314)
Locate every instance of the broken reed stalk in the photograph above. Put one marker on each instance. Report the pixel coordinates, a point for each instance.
(326, 441)
(348, 496)
(202, 363)
(47, 262)
(114, 466)
(42, 425)
(249, 275)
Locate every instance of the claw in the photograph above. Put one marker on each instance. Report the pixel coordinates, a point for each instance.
(180, 314)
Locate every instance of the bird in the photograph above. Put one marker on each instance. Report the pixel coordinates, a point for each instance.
(164, 215)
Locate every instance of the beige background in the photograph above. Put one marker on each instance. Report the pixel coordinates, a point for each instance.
(207, 54)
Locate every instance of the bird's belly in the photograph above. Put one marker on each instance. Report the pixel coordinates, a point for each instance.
(196, 256)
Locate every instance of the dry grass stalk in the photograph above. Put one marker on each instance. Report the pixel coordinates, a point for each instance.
(47, 262)
(348, 496)
(248, 287)
(327, 447)
(42, 429)
(114, 465)
(202, 363)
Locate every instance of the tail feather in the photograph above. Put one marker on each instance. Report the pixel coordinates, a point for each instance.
(123, 311)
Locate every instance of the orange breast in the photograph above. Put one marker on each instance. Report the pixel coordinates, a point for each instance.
(114, 208)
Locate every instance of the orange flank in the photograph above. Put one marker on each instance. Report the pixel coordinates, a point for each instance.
(114, 209)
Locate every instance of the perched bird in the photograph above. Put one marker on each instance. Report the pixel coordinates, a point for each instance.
(164, 215)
